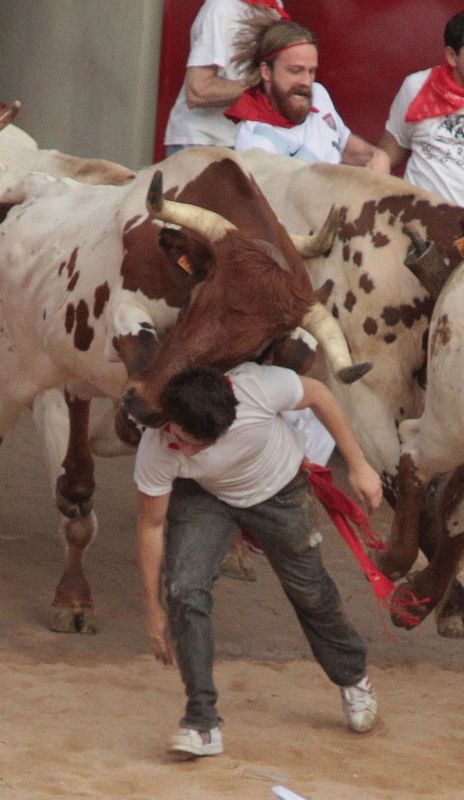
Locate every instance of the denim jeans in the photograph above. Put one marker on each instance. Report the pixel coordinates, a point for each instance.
(199, 532)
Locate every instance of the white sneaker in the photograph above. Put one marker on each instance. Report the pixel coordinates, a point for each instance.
(360, 705)
(197, 743)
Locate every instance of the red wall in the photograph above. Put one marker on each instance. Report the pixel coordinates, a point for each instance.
(366, 49)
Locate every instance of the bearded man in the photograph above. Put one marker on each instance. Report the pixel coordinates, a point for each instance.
(286, 111)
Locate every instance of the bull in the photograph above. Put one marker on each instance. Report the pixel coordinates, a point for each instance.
(383, 304)
(91, 290)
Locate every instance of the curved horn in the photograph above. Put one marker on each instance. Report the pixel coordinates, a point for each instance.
(324, 327)
(320, 243)
(210, 224)
(8, 113)
(426, 263)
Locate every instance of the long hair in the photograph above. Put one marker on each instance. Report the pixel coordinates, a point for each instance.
(261, 38)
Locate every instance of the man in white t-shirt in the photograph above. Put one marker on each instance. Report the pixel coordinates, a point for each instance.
(286, 112)
(226, 459)
(212, 80)
(426, 122)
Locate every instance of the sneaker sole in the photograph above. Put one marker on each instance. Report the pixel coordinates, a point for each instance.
(192, 752)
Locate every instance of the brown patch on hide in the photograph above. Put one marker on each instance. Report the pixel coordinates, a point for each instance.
(335, 312)
(357, 258)
(441, 334)
(73, 281)
(69, 318)
(380, 240)
(102, 295)
(346, 252)
(83, 334)
(350, 301)
(390, 338)
(323, 293)
(370, 326)
(406, 313)
(366, 283)
(146, 268)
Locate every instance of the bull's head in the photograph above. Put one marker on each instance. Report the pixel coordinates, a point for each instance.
(248, 292)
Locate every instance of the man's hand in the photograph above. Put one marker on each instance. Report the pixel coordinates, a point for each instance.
(367, 485)
(156, 623)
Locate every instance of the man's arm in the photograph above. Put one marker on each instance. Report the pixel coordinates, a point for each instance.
(150, 533)
(205, 89)
(359, 153)
(363, 478)
(396, 153)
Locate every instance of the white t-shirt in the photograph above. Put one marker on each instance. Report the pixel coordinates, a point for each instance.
(257, 456)
(436, 162)
(321, 137)
(211, 43)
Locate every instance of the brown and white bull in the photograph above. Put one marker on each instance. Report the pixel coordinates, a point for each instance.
(91, 286)
(384, 311)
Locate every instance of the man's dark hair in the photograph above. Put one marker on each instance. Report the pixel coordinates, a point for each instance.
(454, 32)
(201, 401)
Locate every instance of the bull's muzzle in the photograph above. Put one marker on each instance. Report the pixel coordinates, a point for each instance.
(137, 407)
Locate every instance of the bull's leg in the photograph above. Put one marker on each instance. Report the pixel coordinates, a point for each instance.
(434, 581)
(72, 608)
(238, 562)
(450, 612)
(403, 543)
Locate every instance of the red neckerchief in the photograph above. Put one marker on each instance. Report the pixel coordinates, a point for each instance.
(255, 105)
(439, 96)
(269, 4)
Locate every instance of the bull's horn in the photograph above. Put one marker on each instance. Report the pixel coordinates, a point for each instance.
(210, 224)
(320, 243)
(326, 330)
(426, 263)
(8, 113)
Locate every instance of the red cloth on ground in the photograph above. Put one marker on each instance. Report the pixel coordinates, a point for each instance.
(439, 96)
(269, 4)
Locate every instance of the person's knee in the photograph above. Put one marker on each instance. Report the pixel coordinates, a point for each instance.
(187, 601)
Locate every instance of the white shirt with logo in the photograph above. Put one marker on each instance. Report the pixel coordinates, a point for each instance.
(436, 162)
(321, 137)
(258, 455)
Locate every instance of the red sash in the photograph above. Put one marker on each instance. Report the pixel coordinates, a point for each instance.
(439, 96)
(269, 4)
(344, 512)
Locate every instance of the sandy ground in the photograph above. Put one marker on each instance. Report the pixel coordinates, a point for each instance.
(87, 717)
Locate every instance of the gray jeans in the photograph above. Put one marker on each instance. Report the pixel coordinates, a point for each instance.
(199, 533)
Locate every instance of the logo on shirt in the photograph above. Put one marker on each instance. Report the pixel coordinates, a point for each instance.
(328, 118)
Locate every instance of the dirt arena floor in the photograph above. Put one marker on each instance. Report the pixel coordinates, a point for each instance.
(88, 716)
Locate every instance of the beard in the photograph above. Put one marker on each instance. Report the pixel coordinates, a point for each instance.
(295, 103)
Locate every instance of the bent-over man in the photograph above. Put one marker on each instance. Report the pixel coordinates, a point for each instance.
(225, 459)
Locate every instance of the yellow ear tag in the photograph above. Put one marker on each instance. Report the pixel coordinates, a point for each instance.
(184, 264)
(459, 245)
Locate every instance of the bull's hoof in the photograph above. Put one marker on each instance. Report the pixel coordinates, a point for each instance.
(238, 567)
(450, 626)
(450, 617)
(408, 611)
(65, 620)
(354, 373)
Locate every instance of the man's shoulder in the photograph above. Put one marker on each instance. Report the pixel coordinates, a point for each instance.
(415, 81)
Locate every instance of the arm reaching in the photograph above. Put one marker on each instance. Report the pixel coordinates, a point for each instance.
(360, 153)
(205, 89)
(150, 532)
(395, 152)
(363, 478)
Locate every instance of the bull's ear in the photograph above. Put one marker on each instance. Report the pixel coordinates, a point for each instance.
(188, 251)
